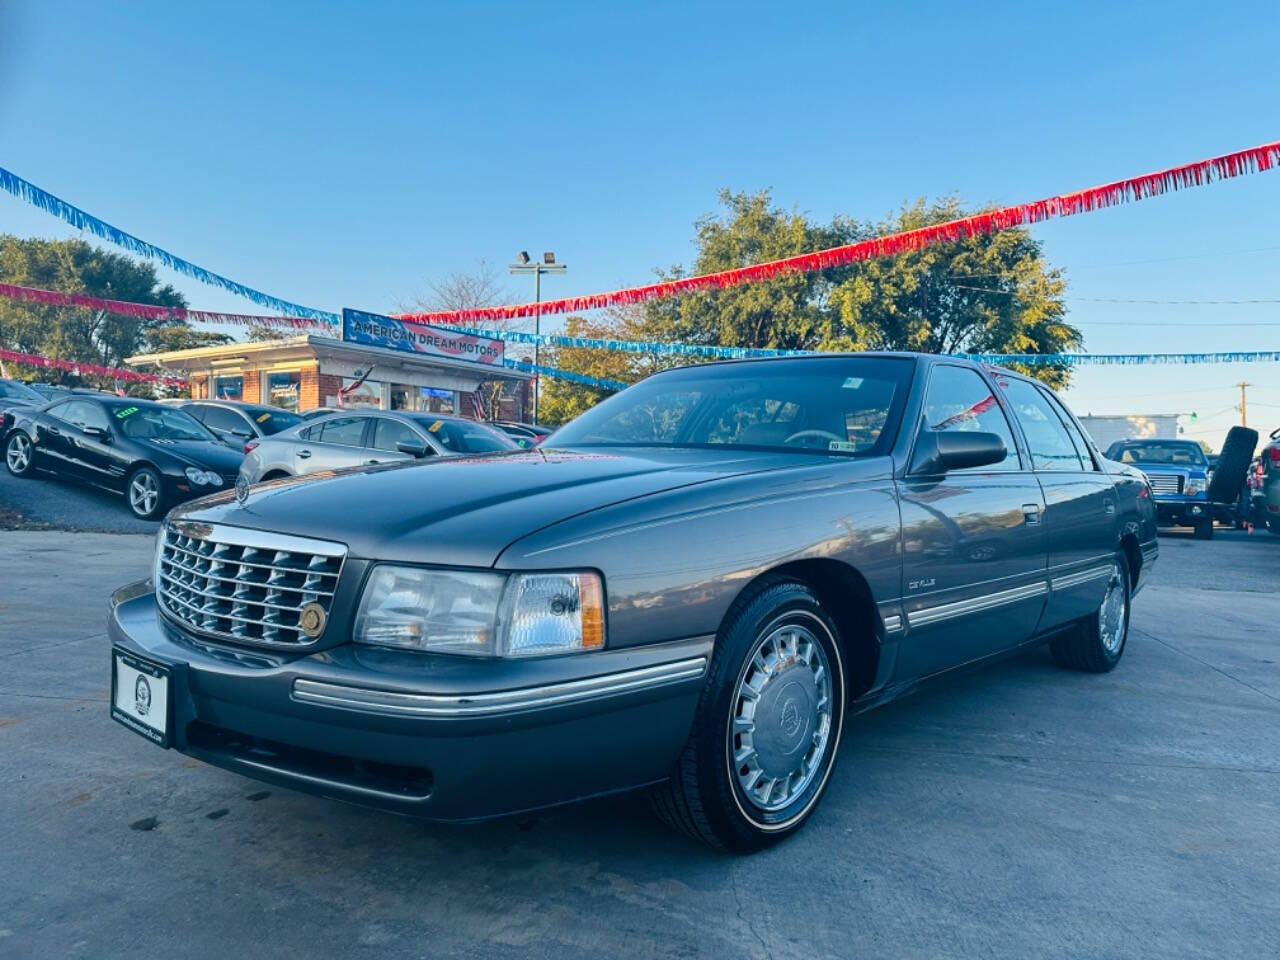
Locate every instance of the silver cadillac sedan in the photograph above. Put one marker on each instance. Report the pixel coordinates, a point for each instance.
(368, 437)
(692, 589)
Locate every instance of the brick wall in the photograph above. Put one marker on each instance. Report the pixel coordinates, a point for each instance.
(252, 387)
(315, 387)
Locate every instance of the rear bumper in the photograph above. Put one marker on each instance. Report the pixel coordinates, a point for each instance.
(425, 735)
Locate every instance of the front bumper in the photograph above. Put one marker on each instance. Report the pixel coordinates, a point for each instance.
(1182, 511)
(439, 737)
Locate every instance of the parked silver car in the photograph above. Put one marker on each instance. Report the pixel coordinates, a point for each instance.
(373, 436)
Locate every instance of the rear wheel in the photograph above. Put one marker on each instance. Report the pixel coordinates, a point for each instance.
(1096, 644)
(19, 454)
(767, 730)
(145, 494)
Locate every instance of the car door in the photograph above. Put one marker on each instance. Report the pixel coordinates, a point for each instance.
(333, 443)
(1080, 502)
(94, 443)
(974, 555)
(52, 441)
(387, 433)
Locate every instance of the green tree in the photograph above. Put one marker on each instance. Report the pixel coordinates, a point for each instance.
(983, 294)
(988, 293)
(74, 333)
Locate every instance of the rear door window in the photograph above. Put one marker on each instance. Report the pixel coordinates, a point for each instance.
(1082, 445)
(347, 431)
(1051, 445)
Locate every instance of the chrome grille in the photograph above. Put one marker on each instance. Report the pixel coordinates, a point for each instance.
(1165, 482)
(247, 586)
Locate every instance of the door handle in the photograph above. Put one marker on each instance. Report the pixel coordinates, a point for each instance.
(303, 454)
(371, 461)
(55, 431)
(1031, 512)
(1109, 508)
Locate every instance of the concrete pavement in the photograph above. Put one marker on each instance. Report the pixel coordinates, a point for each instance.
(1019, 810)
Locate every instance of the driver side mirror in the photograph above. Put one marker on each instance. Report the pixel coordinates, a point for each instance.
(939, 451)
(415, 448)
(101, 434)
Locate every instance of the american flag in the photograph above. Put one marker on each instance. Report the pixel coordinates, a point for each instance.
(477, 404)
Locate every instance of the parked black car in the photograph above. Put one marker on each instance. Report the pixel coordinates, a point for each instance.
(684, 593)
(237, 423)
(154, 454)
(526, 434)
(15, 396)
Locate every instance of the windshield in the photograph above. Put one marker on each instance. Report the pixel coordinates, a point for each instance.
(835, 405)
(1188, 454)
(466, 436)
(160, 423)
(272, 419)
(12, 390)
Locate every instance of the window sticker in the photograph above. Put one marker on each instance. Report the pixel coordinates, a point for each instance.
(852, 383)
(126, 412)
(435, 426)
(843, 446)
(264, 418)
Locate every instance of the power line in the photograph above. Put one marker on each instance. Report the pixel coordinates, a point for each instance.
(1014, 293)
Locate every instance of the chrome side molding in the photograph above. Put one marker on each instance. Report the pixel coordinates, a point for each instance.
(394, 703)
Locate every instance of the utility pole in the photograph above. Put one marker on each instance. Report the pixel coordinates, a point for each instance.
(1244, 413)
(548, 265)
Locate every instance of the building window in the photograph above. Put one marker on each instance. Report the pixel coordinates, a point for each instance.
(283, 389)
(422, 399)
(367, 396)
(228, 388)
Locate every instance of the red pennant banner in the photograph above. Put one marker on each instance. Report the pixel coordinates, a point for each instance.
(1198, 174)
(91, 369)
(148, 311)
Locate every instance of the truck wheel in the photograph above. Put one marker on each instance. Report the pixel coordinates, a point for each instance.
(1096, 644)
(1204, 530)
(1233, 465)
(768, 724)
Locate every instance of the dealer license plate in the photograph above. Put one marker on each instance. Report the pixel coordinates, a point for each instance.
(140, 696)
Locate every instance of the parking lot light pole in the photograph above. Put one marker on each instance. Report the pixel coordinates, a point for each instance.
(525, 265)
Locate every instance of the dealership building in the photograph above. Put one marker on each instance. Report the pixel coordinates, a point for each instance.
(379, 363)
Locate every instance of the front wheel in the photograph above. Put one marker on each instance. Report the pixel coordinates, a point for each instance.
(19, 454)
(1096, 644)
(767, 729)
(145, 494)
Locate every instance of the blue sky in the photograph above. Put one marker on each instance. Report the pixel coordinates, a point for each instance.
(347, 155)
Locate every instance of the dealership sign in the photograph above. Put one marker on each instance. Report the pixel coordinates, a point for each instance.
(375, 330)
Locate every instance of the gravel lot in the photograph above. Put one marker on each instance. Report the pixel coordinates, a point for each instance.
(1016, 811)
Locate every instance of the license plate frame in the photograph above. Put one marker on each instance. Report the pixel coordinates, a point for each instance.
(150, 698)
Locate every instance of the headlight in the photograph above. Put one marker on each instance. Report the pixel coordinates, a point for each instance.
(202, 478)
(481, 614)
(1193, 486)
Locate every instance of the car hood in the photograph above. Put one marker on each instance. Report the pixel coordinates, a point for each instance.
(200, 453)
(466, 510)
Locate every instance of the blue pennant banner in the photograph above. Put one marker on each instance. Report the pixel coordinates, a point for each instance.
(25, 190)
(552, 372)
(741, 353)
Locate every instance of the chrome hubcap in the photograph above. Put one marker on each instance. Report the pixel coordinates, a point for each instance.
(19, 453)
(781, 717)
(143, 493)
(1111, 620)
